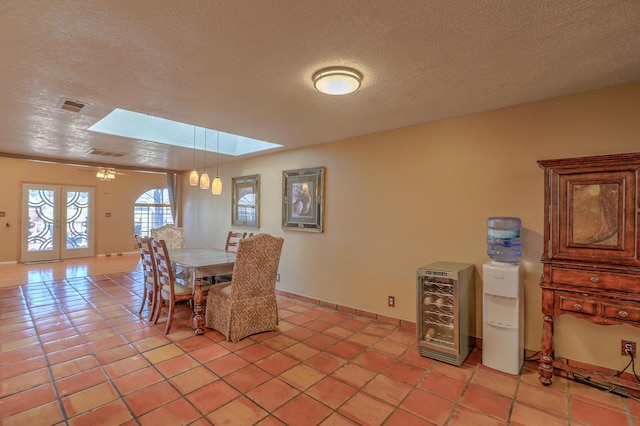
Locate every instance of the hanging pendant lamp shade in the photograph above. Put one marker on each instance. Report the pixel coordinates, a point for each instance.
(193, 176)
(204, 180)
(204, 177)
(216, 187)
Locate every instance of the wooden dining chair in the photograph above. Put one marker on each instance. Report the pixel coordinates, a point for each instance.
(169, 290)
(150, 287)
(232, 240)
(247, 304)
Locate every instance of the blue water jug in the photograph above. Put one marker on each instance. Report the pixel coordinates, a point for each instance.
(503, 239)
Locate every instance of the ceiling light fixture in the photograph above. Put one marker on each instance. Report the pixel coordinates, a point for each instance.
(216, 186)
(337, 80)
(204, 177)
(106, 175)
(193, 176)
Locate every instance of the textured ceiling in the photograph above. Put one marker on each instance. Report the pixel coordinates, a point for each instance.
(245, 66)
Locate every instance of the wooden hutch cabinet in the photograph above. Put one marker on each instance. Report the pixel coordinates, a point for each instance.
(591, 264)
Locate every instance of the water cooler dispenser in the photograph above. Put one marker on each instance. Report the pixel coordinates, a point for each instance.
(503, 317)
(503, 298)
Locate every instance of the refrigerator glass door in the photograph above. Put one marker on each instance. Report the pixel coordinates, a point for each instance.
(438, 309)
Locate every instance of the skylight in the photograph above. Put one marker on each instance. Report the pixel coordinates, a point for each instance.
(135, 125)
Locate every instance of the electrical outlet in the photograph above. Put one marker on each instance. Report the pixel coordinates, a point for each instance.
(278, 277)
(625, 346)
(391, 301)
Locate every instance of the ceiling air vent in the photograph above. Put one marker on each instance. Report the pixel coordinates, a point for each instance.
(104, 153)
(69, 105)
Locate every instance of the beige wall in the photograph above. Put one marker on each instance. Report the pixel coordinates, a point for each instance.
(401, 199)
(113, 234)
(394, 201)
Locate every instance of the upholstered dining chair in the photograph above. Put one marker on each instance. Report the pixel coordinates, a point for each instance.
(150, 288)
(172, 235)
(170, 291)
(247, 304)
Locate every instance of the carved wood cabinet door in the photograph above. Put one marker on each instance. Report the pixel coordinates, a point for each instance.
(595, 216)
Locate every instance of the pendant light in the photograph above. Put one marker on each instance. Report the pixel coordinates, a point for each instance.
(216, 187)
(193, 176)
(204, 177)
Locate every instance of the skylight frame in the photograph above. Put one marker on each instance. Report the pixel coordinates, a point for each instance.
(136, 125)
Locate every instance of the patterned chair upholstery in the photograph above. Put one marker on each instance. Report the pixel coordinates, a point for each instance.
(172, 236)
(247, 305)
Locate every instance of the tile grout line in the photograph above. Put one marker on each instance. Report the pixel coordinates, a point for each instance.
(89, 348)
(66, 305)
(151, 364)
(45, 355)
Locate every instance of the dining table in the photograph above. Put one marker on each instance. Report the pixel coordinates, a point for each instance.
(195, 264)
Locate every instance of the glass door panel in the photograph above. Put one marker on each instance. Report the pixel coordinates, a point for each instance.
(78, 222)
(43, 237)
(438, 311)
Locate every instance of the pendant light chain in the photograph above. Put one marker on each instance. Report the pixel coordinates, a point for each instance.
(204, 178)
(216, 186)
(193, 176)
(194, 147)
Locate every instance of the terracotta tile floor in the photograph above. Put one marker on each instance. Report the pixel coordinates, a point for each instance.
(74, 351)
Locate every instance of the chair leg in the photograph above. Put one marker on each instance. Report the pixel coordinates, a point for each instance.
(152, 309)
(160, 302)
(170, 318)
(144, 299)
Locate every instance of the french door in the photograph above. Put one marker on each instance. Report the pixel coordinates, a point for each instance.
(57, 222)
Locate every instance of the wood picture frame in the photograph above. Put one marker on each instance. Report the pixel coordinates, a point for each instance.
(245, 205)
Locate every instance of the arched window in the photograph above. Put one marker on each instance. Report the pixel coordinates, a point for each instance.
(247, 208)
(151, 210)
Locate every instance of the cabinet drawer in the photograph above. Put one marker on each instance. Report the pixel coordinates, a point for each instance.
(596, 279)
(620, 312)
(576, 304)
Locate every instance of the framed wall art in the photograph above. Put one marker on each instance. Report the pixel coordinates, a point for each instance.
(303, 199)
(245, 206)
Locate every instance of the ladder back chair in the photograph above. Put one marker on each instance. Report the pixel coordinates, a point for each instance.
(150, 287)
(170, 291)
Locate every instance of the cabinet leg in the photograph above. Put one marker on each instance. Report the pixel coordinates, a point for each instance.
(545, 369)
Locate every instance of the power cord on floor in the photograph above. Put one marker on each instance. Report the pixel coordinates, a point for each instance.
(610, 389)
(587, 380)
(632, 363)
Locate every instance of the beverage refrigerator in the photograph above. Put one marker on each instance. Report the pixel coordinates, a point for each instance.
(446, 311)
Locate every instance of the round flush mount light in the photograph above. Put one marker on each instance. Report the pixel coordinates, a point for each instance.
(337, 80)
